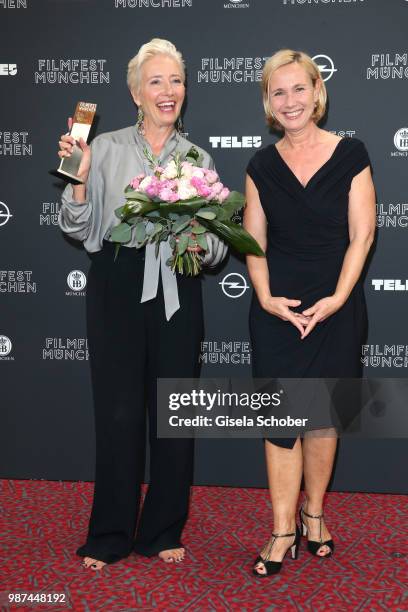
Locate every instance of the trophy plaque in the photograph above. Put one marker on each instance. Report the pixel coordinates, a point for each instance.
(81, 126)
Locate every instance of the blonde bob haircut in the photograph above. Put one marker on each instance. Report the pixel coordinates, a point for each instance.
(157, 46)
(283, 58)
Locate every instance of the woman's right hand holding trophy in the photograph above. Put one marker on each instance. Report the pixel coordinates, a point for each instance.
(66, 145)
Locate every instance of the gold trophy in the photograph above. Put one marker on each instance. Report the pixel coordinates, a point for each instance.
(81, 126)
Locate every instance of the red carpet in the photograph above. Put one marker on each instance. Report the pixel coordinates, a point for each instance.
(44, 522)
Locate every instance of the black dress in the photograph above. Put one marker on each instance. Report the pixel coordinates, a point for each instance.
(307, 237)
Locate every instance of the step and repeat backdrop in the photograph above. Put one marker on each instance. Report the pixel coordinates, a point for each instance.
(54, 53)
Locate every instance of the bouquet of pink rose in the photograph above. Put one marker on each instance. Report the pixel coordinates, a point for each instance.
(181, 203)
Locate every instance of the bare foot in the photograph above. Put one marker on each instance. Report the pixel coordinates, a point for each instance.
(172, 554)
(93, 563)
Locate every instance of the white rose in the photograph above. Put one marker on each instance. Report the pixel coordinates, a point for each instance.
(186, 190)
(198, 173)
(186, 170)
(144, 183)
(170, 171)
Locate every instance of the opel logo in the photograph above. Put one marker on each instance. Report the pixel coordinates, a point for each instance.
(234, 285)
(4, 213)
(326, 66)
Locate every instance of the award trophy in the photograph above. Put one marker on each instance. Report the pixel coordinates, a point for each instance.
(81, 126)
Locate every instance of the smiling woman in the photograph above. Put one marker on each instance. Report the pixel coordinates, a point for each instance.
(126, 311)
(311, 207)
(156, 78)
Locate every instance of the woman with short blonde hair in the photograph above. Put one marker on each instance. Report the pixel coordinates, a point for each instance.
(311, 207)
(285, 57)
(140, 327)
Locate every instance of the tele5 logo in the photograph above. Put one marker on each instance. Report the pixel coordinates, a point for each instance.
(8, 69)
(234, 142)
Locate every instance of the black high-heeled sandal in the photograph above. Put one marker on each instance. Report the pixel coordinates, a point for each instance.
(312, 545)
(274, 567)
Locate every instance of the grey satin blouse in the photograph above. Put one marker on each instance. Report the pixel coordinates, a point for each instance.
(117, 157)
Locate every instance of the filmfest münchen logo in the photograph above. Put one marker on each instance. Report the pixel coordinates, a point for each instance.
(392, 214)
(8, 69)
(234, 285)
(236, 4)
(327, 2)
(13, 4)
(153, 3)
(5, 214)
(5, 348)
(384, 355)
(388, 66)
(343, 133)
(49, 213)
(231, 69)
(65, 349)
(17, 281)
(216, 352)
(71, 71)
(15, 144)
(76, 281)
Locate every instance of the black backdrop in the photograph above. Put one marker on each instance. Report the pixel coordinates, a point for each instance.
(56, 52)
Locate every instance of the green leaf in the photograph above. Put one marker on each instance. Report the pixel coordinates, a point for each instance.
(119, 212)
(202, 241)
(140, 232)
(182, 244)
(121, 233)
(233, 203)
(180, 225)
(157, 228)
(139, 208)
(198, 229)
(235, 236)
(137, 195)
(134, 220)
(206, 214)
(186, 207)
(192, 242)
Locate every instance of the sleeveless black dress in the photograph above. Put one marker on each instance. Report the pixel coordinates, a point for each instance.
(307, 237)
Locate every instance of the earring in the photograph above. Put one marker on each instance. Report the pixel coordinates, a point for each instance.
(180, 126)
(139, 122)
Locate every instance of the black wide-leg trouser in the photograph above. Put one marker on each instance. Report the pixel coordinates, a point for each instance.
(131, 345)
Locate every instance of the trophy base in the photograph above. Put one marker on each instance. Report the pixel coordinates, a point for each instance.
(69, 166)
(69, 175)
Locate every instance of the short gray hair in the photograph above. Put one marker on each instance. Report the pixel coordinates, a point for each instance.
(157, 46)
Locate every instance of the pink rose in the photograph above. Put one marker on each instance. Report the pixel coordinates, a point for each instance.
(135, 182)
(223, 195)
(203, 190)
(211, 176)
(168, 195)
(216, 190)
(152, 189)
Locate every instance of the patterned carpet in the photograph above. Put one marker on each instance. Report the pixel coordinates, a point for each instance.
(44, 522)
